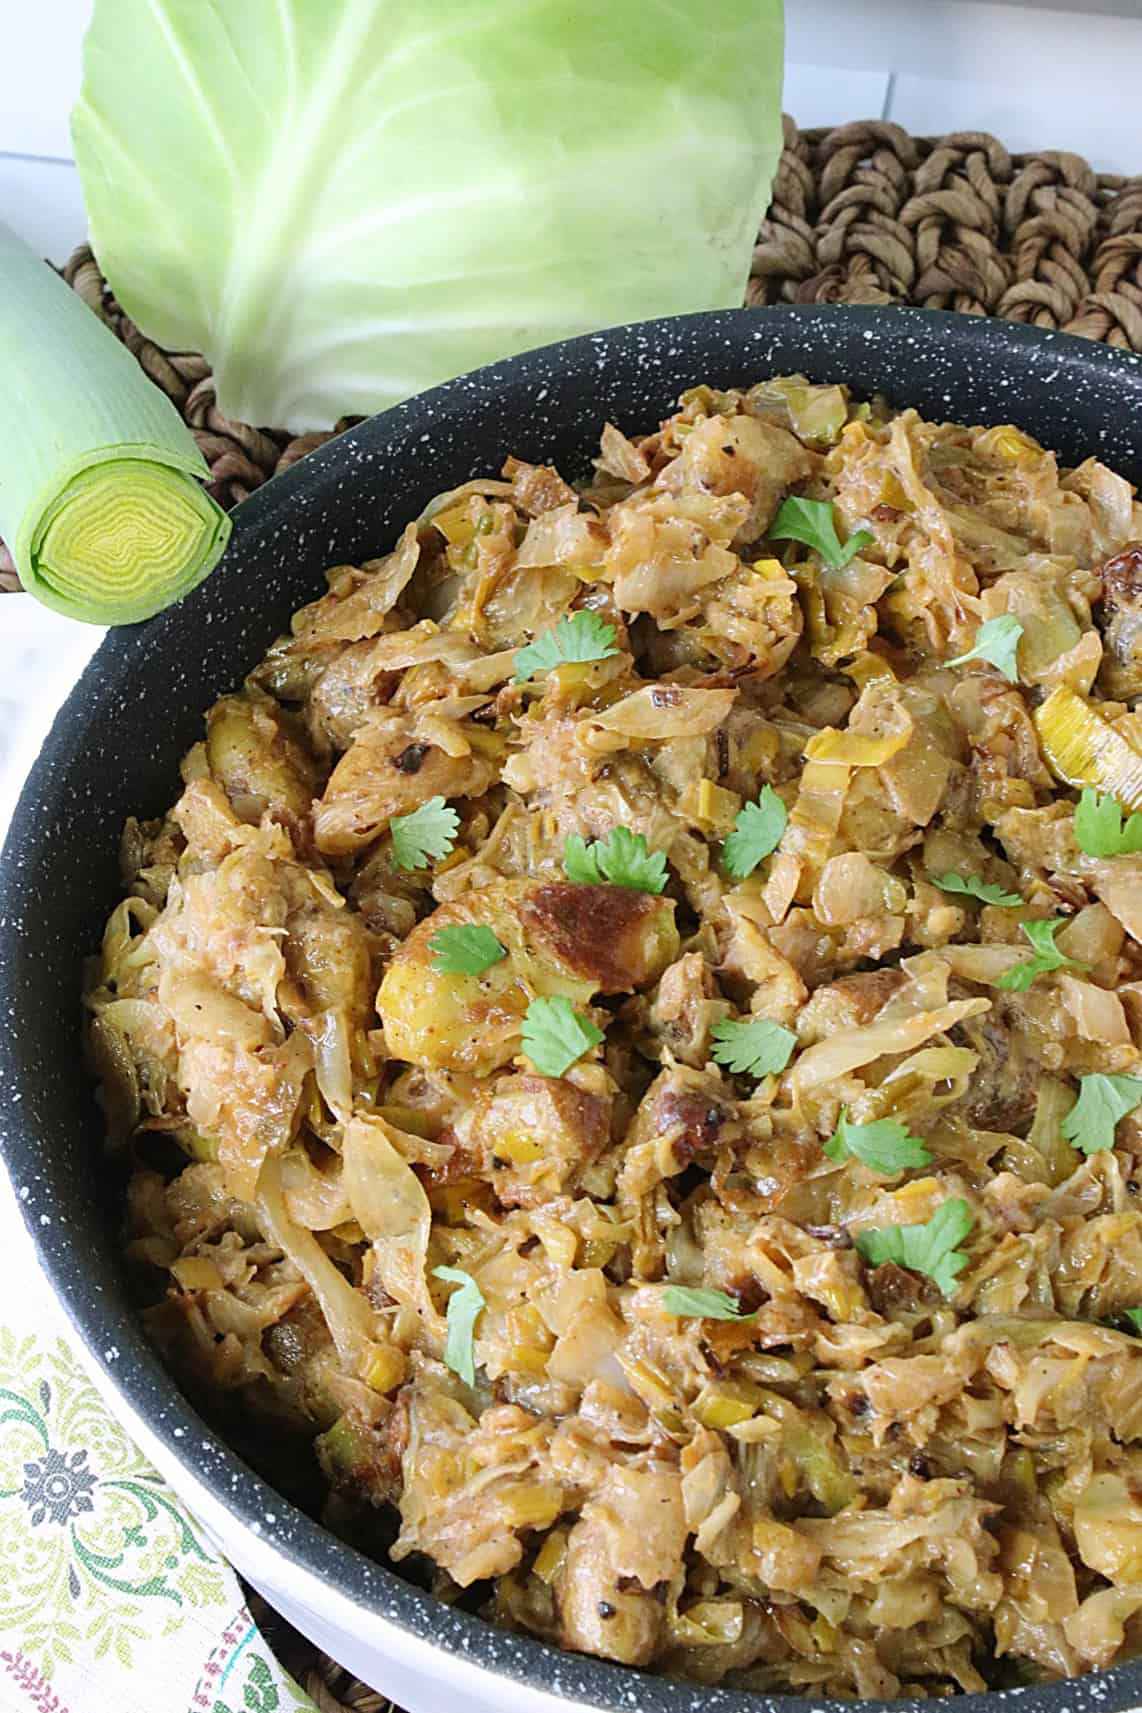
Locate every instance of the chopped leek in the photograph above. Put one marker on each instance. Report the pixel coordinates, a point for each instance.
(815, 414)
(855, 749)
(101, 497)
(868, 668)
(1084, 749)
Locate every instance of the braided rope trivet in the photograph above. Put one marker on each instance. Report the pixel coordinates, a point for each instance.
(861, 214)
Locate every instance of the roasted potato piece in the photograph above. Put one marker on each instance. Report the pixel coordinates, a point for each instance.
(362, 1458)
(532, 1134)
(327, 956)
(560, 939)
(621, 1549)
(346, 694)
(386, 773)
(1121, 675)
(258, 761)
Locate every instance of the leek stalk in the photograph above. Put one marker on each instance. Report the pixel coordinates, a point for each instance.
(1082, 748)
(102, 502)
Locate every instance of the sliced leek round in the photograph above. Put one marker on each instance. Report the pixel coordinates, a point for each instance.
(102, 502)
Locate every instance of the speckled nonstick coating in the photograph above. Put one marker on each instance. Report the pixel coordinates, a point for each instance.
(115, 748)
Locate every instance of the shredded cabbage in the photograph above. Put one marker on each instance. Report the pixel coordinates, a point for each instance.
(347, 1313)
(390, 1206)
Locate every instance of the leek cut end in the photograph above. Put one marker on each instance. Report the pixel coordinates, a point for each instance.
(1082, 748)
(124, 540)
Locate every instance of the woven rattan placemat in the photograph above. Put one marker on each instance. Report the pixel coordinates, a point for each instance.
(861, 214)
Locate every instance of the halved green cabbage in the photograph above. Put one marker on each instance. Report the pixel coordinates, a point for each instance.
(345, 201)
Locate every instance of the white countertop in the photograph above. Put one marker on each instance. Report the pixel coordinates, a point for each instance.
(41, 656)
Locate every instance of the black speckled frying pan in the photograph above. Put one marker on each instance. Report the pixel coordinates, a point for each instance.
(115, 749)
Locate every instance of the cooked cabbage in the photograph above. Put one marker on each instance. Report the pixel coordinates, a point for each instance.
(662, 1343)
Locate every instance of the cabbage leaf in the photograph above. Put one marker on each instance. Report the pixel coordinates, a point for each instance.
(342, 202)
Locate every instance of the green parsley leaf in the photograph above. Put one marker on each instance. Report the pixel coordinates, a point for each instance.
(554, 1035)
(1047, 956)
(813, 523)
(466, 949)
(885, 1145)
(996, 642)
(1134, 1316)
(577, 636)
(931, 1248)
(701, 1304)
(1099, 827)
(429, 831)
(621, 858)
(756, 1046)
(757, 832)
(971, 886)
(464, 1308)
(1102, 1101)
(581, 861)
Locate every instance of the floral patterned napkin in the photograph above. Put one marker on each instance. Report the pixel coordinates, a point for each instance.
(111, 1600)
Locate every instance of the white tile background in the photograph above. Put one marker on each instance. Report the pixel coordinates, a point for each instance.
(1037, 75)
(1066, 76)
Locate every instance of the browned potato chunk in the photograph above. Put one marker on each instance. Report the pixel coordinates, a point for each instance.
(533, 1133)
(385, 774)
(560, 939)
(258, 761)
(628, 1539)
(327, 956)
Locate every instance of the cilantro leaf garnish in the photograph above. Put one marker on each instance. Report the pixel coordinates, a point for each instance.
(1134, 1316)
(464, 1308)
(1099, 827)
(757, 1046)
(581, 861)
(996, 642)
(621, 858)
(577, 636)
(931, 1248)
(757, 832)
(972, 886)
(554, 1035)
(813, 523)
(1102, 1101)
(465, 949)
(885, 1145)
(693, 1304)
(1047, 957)
(429, 831)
